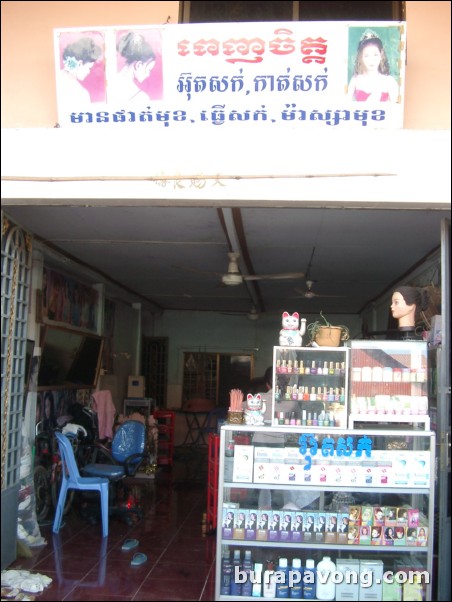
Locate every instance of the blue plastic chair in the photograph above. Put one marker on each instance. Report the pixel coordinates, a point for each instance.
(127, 452)
(71, 479)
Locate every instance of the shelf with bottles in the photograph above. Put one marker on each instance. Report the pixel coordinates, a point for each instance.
(388, 381)
(310, 386)
(337, 493)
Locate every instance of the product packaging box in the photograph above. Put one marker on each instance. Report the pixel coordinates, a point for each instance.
(371, 588)
(274, 525)
(402, 516)
(287, 518)
(376, 535)
(297, 527)
(331, 527)
(379, 516)
(250, 524)
(228, 522)
(239, 524)
(388, 536)
(135, 387)
(364, 535)
(400, 536)
(392, 592)
(243, 463)
(262, 525)
(390, 516)
(308, 526)
(353, 534)
(348, 588)
(367, 515)
(355, 515)
(319, 527)
(342, 528)
(413, 517)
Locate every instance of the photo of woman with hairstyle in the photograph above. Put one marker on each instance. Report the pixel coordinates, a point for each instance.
(78, 59)
(371, 80)
(138, 77)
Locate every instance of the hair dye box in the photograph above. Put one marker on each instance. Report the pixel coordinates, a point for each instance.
(348, 588)
(319, 527)
(297, 527)
(250, 524)
(262, 525)
(274, 525)
(371, 588)
(331, 527)
(285, 532)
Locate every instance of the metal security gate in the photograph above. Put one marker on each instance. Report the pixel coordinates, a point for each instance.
(16, 260)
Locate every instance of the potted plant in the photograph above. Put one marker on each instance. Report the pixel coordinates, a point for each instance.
(327, 335)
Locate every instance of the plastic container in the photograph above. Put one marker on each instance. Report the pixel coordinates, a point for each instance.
(326, 588)
(309, 580)
(282, 584)
(296, 591)
(226, 574)
(247, 567)
(236, 588)
(256, 591)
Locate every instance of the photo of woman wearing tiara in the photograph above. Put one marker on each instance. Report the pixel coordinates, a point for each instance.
(371, 79)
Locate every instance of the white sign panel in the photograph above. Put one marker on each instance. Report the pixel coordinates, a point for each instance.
(322, 75)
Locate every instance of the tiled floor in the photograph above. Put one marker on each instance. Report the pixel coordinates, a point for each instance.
(181, 560)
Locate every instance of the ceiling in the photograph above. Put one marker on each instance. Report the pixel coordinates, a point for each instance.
(173, 257)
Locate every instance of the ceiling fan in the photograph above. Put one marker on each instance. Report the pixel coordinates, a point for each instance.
(233, 276)
(310, 294)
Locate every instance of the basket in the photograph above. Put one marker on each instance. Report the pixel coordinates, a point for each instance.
(329, 336)
(235, 418)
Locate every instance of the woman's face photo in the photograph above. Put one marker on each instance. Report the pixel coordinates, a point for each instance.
(371, 58)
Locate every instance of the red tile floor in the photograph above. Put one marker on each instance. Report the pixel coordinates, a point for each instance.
(180, 559)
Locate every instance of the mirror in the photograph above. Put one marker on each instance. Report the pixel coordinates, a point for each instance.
(69, 359)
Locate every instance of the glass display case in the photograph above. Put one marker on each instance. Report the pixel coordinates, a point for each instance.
(310, 386)
(290, 495)
(388, 382)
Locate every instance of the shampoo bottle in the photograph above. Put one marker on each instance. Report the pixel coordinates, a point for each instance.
(247, 567)
(282, 579)
(309, 580)
(236, 588)
(296, 591)
(226, 574)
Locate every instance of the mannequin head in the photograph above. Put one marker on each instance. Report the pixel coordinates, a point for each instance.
(405, 303)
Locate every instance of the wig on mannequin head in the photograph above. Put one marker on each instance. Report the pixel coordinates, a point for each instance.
(414, 296)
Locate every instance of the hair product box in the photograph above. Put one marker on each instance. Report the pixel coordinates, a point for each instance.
(239, 524)
(392, 592)
(376, 535)
(250, 524)
(228, 522)
(331, 527)
(379, 515)
(355, 515)
(388, 536)
(297, 527)
(348, 588)
(390, 516)
(274, 525)
(285, 532)
(413, 517)
(243, 463)
(342, 528)
(367, 515)
(402, 516)
(371, 588)
(262, 525)
(319, 527)
(364, 535)
(399, 536)
(353, 534)
(308, 526)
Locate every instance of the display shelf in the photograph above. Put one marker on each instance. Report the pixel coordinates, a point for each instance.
(310, 386)
(212, 480)
(165, 423)
(375, 484)
(383, 419)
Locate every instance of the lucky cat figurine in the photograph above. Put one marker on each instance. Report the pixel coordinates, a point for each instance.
(254, 410)
(292, 331)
